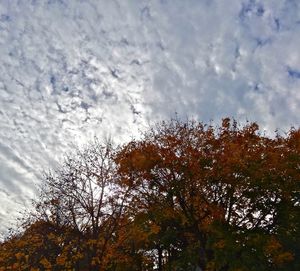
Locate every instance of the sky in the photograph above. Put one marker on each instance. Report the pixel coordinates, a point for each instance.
(75, 69)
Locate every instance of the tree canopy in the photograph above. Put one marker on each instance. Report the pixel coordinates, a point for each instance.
(185, 195)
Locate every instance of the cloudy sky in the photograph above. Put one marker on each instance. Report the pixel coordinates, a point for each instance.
(73, 69)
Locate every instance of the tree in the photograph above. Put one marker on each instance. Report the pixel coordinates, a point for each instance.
(76, 218)
(223, 186)
(184, 195)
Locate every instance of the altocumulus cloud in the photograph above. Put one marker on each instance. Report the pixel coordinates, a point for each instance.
(71, 70)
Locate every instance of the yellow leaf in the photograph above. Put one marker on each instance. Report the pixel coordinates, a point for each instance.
(45, 263)
(19, 256)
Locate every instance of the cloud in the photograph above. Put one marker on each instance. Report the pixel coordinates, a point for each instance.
(71, 70)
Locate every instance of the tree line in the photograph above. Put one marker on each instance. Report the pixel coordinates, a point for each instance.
(185, 196)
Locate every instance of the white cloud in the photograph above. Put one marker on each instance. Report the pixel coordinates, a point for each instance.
(74, 69)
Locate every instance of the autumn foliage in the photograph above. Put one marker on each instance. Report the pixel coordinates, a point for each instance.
(184, 196)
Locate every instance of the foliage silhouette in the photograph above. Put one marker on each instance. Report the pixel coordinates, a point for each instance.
(185, 195)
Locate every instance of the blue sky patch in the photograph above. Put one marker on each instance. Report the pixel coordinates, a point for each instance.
(294, 73)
